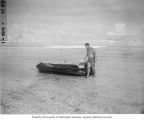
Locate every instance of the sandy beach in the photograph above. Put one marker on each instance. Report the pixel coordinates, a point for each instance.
(117, 89)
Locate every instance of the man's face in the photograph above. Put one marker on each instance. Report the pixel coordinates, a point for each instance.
(87, 46)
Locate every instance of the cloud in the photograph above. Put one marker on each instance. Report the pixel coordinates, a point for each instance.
(19, 33)
(111, 33)
(119, 30)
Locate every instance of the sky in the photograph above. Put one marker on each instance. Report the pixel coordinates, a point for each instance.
(74, 22)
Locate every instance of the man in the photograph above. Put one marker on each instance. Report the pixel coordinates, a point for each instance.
(90, 59)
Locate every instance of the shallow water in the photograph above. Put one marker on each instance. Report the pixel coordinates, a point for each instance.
(118, 87)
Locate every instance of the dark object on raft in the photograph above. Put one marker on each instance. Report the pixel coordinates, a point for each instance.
(63, 69)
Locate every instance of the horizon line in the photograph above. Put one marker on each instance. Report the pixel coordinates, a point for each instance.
(61, 46)
(57, 46)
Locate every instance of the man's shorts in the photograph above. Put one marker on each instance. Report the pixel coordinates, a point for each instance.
(91, 60)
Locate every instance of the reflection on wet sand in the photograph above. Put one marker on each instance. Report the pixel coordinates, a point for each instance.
(117, 88)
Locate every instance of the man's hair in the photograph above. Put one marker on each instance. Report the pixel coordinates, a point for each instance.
(86, 44)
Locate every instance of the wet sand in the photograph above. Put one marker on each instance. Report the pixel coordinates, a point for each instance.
(118, 87)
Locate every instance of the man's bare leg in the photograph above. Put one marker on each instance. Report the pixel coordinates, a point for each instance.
(88, 69)
(93, 69)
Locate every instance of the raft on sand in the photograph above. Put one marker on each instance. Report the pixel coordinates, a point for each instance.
(63, 69)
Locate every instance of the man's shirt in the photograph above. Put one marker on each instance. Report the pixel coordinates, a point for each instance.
(91, 52)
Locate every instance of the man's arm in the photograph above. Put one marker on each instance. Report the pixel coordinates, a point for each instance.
(85, 58)
(94, 53)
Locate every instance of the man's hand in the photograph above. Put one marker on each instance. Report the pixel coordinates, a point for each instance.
(85, 60)
(95, 58)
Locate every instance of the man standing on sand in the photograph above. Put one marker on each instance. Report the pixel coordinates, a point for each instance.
(90, 59)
